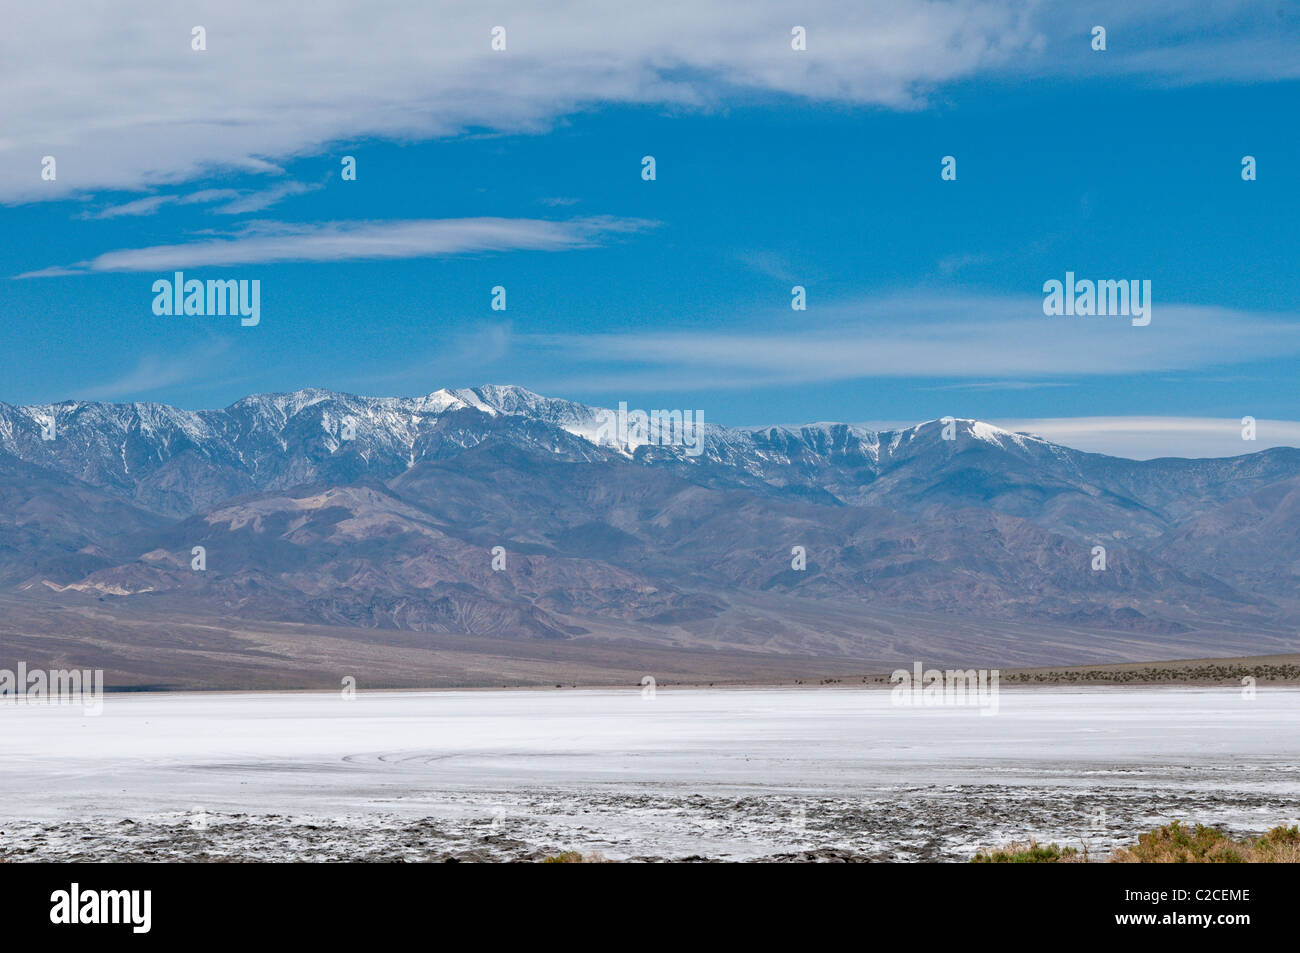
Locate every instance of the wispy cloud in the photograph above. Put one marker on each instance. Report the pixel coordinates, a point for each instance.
(265, 198)
(1000, 385)
(952, 264)
(1145, 438)
(138, 207)
(270, 242)
(204, 196)
(938, 338)
(154, 372)
(168, 114)
(237, 201)
(773, 264)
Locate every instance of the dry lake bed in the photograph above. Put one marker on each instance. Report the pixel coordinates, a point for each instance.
(726, 774)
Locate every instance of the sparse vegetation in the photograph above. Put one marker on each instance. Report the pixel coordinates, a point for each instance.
(1030, 853)
(575, 857)
(1189, 673)
(1176, 844)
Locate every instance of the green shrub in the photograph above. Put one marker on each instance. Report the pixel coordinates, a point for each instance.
(1031, 853)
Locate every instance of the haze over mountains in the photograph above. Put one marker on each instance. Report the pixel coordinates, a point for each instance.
(380, 514)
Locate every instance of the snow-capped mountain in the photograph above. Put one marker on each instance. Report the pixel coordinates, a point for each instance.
(370, 512)
(175, 462)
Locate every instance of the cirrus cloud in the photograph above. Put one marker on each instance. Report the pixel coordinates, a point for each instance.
(915, 335)
(115, 93)
(271, 242)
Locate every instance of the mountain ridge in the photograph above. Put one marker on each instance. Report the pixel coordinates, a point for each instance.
(381, 513)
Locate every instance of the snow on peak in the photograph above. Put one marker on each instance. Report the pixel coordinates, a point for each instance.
(996, 435)
(285, 405)
(443, 400)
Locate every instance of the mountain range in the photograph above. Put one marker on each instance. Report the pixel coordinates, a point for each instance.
(951, 540)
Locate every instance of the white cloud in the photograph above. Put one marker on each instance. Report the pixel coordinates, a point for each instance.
(269, 242)
(963, 338)
(203, 196)
(114, 92)
(135, 208)
(237, 201)
(153, 372)
(265, 198)
(1145, 438)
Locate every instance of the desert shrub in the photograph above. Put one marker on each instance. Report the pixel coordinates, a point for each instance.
(575, 857)
(1175, 843)
(1030, 853)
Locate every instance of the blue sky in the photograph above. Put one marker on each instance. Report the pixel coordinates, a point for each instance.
(924, 296)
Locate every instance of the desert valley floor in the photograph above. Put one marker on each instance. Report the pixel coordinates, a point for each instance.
(739, 773)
